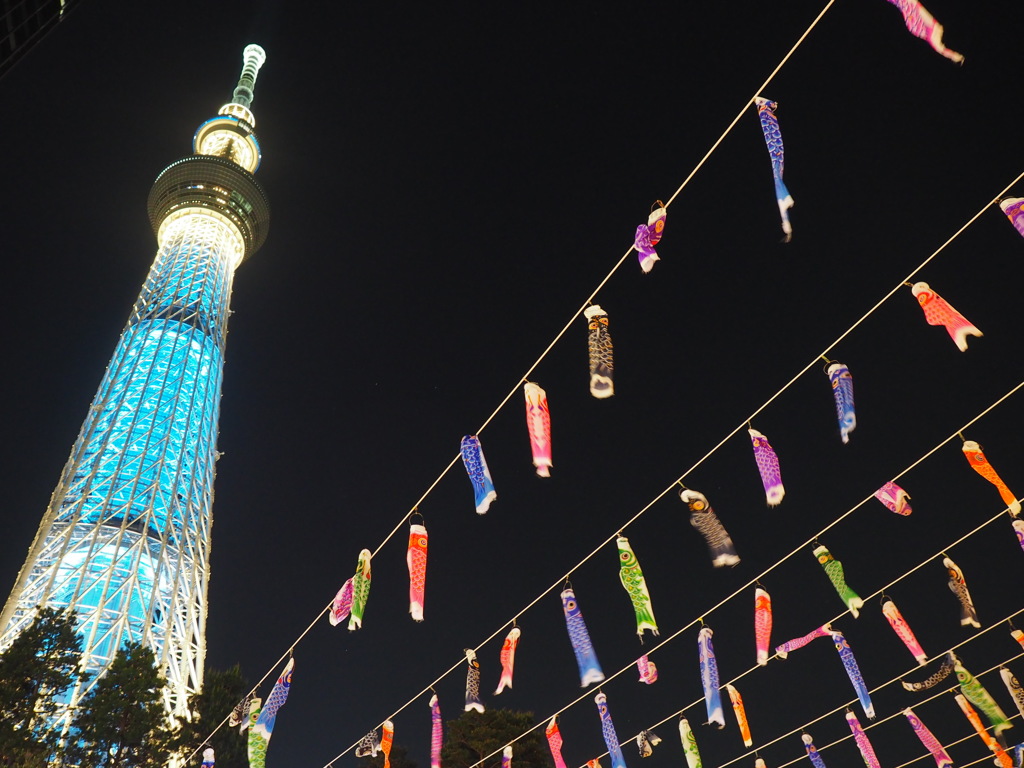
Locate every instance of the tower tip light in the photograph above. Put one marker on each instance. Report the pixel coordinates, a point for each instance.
(253, 57)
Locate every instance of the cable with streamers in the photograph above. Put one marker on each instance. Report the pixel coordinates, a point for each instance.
(558, 336)
(751, 583)
(961, 740)
(896, 714)
(566, 327)
(725, 600)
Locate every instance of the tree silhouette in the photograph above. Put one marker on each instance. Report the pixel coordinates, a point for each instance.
(222, 690)
(474, 735)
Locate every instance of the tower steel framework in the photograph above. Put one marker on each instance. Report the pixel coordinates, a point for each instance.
(125, 540)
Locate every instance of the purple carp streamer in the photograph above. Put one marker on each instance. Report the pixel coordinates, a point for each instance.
(834, 571)
(633, 582)
(508, 659)
(741, 715)
(341, 606)
(599, 345)
(980, 464)
(923, 25)
(646, 741)
(944, 671)
(812, 753)
(387, 738)
(867, 752)
(689, 744)
(782, 651)
(903, 631)
(958, 586)
(1018, 528)
(709, 677)
(982, 699)
(1013, 686)
(1018, 635)
(648, 235)
(360, 590)
(703, 518)
(1002, 759)
(894, 498)
(853, 672)
(369, 745)
(773, 138)
(208, 760)
(554, 737)
(586, 659)
(647, 669)
(416, 560)
(842, 390)
(473, 682)
(256, 745)
(762, 624)
(436, 732)
(611, 739)
(942, 758)
(479, 474)
(1013, 207)
(538, 423)
(506, 757)
(768, 467)
(938, 311)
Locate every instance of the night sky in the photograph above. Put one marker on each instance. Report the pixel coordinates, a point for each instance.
(448, 185)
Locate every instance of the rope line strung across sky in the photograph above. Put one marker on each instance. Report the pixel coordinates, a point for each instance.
(576, 315)
(725, 600)
(746, 587)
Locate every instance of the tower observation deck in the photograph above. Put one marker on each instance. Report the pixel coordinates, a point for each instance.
(125, 540)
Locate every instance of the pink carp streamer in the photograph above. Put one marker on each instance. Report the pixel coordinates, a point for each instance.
(508, 659)
(922, 24)
(741, 714)
(538, 423)
(762, 624)
(387, 738)
(894, 498)
(649, 235)
(812, 752)
(942, 758)
(436, 732)
(938, 311)
(903, 631)
(341, 607)
(768, 467)
(416, 559)
(867, 752)
(980, 464)
(1002, 759)
(782, 651)
(1014, 688)
(554, 737)
(958, 586)
(648, 671)
(1013, 207)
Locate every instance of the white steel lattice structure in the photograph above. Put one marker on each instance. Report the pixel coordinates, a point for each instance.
(125, 540)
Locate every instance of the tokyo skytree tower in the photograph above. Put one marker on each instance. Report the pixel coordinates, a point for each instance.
(125, 540)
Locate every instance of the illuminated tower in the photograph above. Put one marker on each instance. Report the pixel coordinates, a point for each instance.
(125, 540)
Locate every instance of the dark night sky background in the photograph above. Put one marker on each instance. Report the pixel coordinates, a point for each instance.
(448, 184)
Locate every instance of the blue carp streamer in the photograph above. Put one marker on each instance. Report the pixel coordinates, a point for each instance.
(812, 752)
(773, 138)
(853, 671)
(709, 677)
(479, 475)
(586, 659)
(611, 739)
(842, 389)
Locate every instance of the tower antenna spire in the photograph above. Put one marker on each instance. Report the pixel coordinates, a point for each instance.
(253, 56)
